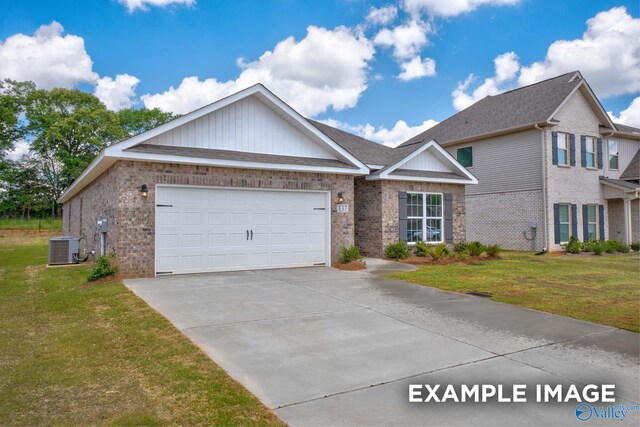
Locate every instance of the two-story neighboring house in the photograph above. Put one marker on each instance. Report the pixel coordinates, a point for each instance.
(550, 164)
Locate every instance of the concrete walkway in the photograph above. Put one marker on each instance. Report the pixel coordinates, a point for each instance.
(330, 347)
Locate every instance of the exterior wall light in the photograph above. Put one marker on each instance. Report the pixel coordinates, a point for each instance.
(144, 190)
(340, 197)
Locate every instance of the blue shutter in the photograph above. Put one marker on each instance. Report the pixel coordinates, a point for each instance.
(574, 220)
(572, 150)
(601, 220)
(448, 217)
(599, 153)
(583, 151)
(556, 222)
(554, 147)
(402, 216)
(585, 222)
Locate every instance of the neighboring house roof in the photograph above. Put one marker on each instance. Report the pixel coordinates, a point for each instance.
(512, 110)
(632, 172)
(369, 152)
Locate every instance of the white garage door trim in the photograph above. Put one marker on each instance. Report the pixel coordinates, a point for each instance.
(327, 231)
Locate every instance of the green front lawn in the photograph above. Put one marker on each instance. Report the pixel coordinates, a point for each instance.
(83, 354)
(602, 289)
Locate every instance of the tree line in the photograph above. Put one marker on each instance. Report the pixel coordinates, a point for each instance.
(65, 129)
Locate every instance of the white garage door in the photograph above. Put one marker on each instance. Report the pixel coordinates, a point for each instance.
(219, 229)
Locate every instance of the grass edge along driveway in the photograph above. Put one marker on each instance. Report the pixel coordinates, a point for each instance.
(600, 289)
(84, 354)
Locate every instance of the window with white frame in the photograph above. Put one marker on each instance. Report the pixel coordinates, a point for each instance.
(613, 155)
(424, 217)
(563, 148)
(591, 152)
(564, 221)
(592, 222)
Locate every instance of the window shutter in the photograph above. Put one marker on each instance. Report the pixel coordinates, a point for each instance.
(599, 153)
(574, 220)
(556, 222)
(554, 147)
(585, 223)
(572, 150)
(583, 151)
(402, 216)
(601, 220)
(448, 217)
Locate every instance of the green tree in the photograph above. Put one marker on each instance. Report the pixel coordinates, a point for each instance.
(135, 121)
(13, 99)
(22, 190)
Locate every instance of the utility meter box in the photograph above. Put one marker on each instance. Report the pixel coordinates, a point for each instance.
(103, 225)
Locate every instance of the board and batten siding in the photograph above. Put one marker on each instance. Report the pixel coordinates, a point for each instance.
(505, 163)
(248, 126)
(627, 148)
(426, 161)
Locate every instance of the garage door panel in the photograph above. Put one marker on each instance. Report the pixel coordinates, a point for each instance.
(205, 229)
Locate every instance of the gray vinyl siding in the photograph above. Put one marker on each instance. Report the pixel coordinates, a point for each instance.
(627, 148)
(506, 163)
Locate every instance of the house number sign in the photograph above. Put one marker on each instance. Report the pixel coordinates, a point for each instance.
(342, 208)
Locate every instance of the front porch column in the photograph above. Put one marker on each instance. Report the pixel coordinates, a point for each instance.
(628, 232)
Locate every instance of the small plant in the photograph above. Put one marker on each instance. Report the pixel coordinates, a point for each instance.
(493, 250)
(460, 248)
(635, 246)
(475, 248)
(421, 249)
(349, 254)
(573, 246)
(103, 269)
(460, 256)
(398, 250)
(439, 251)
(598, 247)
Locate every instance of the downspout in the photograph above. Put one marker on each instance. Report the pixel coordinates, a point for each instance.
(545, 215)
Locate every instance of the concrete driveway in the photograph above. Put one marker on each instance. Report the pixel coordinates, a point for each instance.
(329, 347)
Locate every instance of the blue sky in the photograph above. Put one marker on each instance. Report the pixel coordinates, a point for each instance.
(159, 46)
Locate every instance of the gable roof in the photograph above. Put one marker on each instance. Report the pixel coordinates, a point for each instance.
(511, 110)
(632, 172)
(348, 163)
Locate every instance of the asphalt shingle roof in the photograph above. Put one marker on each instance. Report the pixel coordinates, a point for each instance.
(527, 105)
(633, 170)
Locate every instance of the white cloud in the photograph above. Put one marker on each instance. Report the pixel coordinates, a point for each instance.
(407, 40)
(132, 5)
(382, 15)
(607, 55)
(47, 58)
(448, 8)
(327, 68)
(506, 68)
(117, 93)
(398, 134)
(417, 68)
(630, 116)
(19, 149)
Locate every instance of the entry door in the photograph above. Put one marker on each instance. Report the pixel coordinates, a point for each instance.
(219, 229)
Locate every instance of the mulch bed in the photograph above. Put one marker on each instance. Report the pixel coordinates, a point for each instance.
(352, 266)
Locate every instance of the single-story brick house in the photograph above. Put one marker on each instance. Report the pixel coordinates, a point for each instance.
(248, 183)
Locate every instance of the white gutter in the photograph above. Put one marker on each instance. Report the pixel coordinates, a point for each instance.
(544, 186)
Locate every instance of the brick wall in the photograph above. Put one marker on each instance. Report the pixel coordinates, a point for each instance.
(635, 220)
(503, 218)
(136, 243)
(378, 227)
(616, 219)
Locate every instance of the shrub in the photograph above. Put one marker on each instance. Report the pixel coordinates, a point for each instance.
(460, 248)
(635, 246)
(439, 251)
(103, 269)
(588, 246)
(610, 246)
(460, 256)
(421, 249)
(398, 250)
(598, 247)
(475, 248)
(573, 246)
(616, 246)
(493, 250)
(349, 254)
